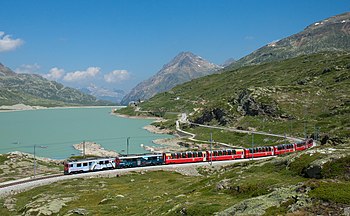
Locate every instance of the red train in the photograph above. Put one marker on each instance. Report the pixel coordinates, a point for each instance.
(233, 154)
(95, 164)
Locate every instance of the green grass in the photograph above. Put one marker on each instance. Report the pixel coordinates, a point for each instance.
(233, 138)
(337, 192)
(154, 192)
(337, 168)
(302, 162)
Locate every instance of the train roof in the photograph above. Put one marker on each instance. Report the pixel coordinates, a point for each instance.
(141, 156)
(89, 159)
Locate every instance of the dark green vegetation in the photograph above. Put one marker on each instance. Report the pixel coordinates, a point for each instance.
(216, 190)
(306, 92)
(35, 90)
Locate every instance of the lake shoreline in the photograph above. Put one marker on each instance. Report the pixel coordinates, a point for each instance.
(23, 107)
(165, 144)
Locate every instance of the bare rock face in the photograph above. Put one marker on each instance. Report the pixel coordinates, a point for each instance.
(209, 115)
(249, 103)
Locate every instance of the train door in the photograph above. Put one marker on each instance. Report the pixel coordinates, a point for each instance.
(138, 162)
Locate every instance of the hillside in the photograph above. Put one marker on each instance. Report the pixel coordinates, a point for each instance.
(184, 67)
(331, 34)
(31, 89)
(278, 96)
(284, 185)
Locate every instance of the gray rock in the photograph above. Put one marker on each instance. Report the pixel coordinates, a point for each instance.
(79, 211)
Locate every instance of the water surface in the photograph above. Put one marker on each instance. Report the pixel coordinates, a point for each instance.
(59, 129)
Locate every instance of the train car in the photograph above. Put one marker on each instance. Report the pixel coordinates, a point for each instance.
(140, 160)
(88, 165)
(284, 148)
(228, 154)
(184, 157)
(310, 143)
(300, 146)
(259, 152)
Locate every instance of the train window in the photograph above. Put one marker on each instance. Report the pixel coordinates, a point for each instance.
(189, 154)
(200, 154)
(90, 163)
(78, 164)
(234, 152)
(106, 162)
(84, 164)
(229, 152)
(250, 150)
(224, 152)
(178, 155)
(100, 162)
(183, 155)
(220, 153)
(195, 154)
(70, 165)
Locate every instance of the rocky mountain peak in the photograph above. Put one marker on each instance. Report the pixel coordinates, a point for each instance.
(5, 71)
(182, 68)
(338, 19)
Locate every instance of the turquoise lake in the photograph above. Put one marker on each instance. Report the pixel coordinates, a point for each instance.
(59, 129)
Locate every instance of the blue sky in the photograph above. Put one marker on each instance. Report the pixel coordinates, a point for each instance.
(116, 44)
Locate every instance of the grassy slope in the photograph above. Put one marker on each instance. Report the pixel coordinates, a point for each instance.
(171, 193)
(312, 88)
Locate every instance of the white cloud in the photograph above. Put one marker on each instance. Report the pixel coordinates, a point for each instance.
(90, 72)
(54, 74)
(7, 43)
(28, 68)
(116, 76)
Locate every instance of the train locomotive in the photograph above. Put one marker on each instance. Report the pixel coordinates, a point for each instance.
(97, 164)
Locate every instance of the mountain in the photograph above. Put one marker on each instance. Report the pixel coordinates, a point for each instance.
(114, 95)
(228, 62)
(331, 34)
(184, 67)
(32, 89)
(278, 96)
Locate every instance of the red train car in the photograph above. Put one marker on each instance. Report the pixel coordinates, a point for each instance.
(228, 154)
(301, 146)
(259, 152)
(285, 148)
(184, 157)
(310, 143)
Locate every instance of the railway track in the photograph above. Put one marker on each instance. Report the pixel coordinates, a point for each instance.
(19, 182)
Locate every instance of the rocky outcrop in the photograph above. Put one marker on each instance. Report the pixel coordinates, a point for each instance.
(259, 205)
(45, 205)
(217, 114)
(251, 104)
